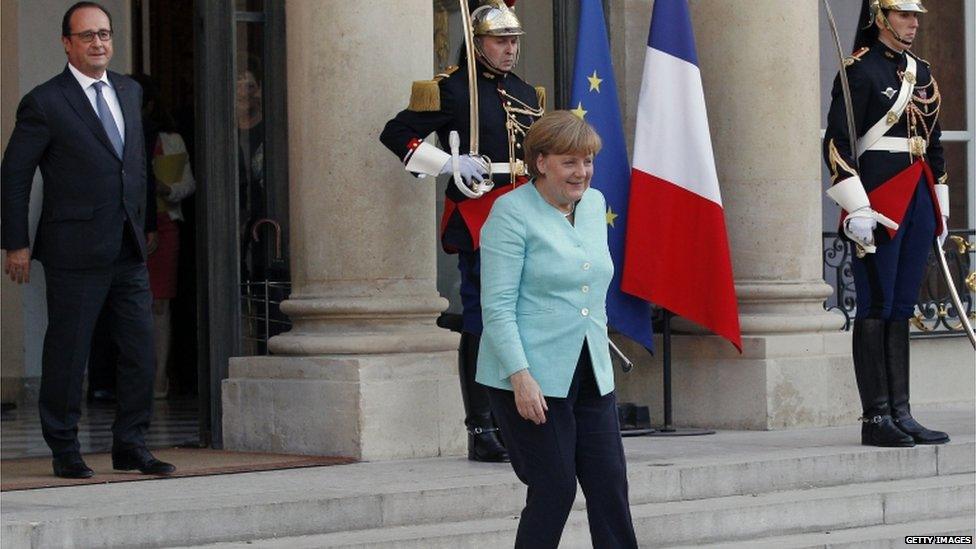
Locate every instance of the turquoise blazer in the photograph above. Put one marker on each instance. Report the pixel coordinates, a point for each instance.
(544, 291)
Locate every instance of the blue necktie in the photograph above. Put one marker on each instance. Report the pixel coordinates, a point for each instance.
(108, 122)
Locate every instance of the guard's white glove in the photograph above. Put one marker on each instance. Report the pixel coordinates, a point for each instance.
(942, 195)
(471, 168)
(468, 171)
(860, 228)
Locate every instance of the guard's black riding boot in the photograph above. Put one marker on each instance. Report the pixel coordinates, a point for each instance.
(483, 441)
(877, 427)
(896, 360)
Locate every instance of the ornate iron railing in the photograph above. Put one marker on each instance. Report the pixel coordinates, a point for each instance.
(935, 315)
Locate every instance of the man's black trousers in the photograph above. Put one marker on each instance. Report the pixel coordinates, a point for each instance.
(74, 301)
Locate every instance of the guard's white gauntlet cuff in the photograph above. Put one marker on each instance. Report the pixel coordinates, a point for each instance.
(850, 195)
(427, 160)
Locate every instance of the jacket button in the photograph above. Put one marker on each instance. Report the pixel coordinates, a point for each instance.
(123, 173)
(585, 312)
(586, 266)
(585, 288)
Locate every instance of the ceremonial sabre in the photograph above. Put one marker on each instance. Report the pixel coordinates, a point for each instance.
(474, 190)
(844, 85)
(472, 75)
(956, 302)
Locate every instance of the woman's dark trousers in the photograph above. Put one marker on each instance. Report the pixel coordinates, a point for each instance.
(579, 440)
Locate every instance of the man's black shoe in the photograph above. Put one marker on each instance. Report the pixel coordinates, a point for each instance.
(141, 459)
(71, 466)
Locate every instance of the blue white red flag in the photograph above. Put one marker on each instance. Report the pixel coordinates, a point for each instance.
(594, 98)
(677, 252)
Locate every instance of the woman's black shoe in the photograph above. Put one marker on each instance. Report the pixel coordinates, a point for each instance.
(483, 445)
(71, 466)
(882, 431)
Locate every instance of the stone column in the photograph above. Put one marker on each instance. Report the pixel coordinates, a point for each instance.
(364, 372)
(760, 68)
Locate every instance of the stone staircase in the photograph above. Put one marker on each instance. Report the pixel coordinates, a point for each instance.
(775, 503)
(777, 489)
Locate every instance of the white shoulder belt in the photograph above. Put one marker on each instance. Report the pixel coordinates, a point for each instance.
(881, 127)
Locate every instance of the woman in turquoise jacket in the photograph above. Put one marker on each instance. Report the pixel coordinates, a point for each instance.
(545, 270)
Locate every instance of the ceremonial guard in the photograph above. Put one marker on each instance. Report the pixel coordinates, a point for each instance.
(502, 107)
(891, 184)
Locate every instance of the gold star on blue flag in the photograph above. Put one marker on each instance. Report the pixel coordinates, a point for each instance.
(594, 82)
(578, 111)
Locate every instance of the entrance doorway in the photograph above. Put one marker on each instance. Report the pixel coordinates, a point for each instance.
(242, 232)
(220, 66)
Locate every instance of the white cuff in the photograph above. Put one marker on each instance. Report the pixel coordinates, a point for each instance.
(427, 159)
(942, 195)
(849, 194)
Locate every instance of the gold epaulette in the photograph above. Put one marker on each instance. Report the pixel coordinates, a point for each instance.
(425, 95)
(540, 97)
(856, 56)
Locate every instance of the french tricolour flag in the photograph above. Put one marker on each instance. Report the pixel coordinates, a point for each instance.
(677, 250)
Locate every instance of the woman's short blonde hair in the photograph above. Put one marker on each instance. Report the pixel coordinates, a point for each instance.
(559, 132)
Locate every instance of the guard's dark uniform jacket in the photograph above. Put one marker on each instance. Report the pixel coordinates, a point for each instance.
(898, 172)
(463, 216)
(875, 75)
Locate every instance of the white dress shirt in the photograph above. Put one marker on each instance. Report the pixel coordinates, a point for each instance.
(108, 92)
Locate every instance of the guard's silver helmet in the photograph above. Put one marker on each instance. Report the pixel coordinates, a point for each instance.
(496, 18)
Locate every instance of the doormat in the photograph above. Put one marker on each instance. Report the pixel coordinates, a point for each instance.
(33, 473)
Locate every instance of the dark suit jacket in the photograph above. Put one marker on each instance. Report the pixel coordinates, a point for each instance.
(89, 192)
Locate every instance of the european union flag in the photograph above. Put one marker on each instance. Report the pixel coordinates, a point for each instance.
(594, 98)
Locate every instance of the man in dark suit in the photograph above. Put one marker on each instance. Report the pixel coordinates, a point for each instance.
(83, 128)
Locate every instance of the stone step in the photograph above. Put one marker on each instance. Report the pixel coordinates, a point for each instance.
(881, 536)
(370, 496)
(791, 513)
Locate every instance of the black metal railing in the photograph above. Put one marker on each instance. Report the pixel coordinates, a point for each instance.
(935, 314)
(261, 314)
